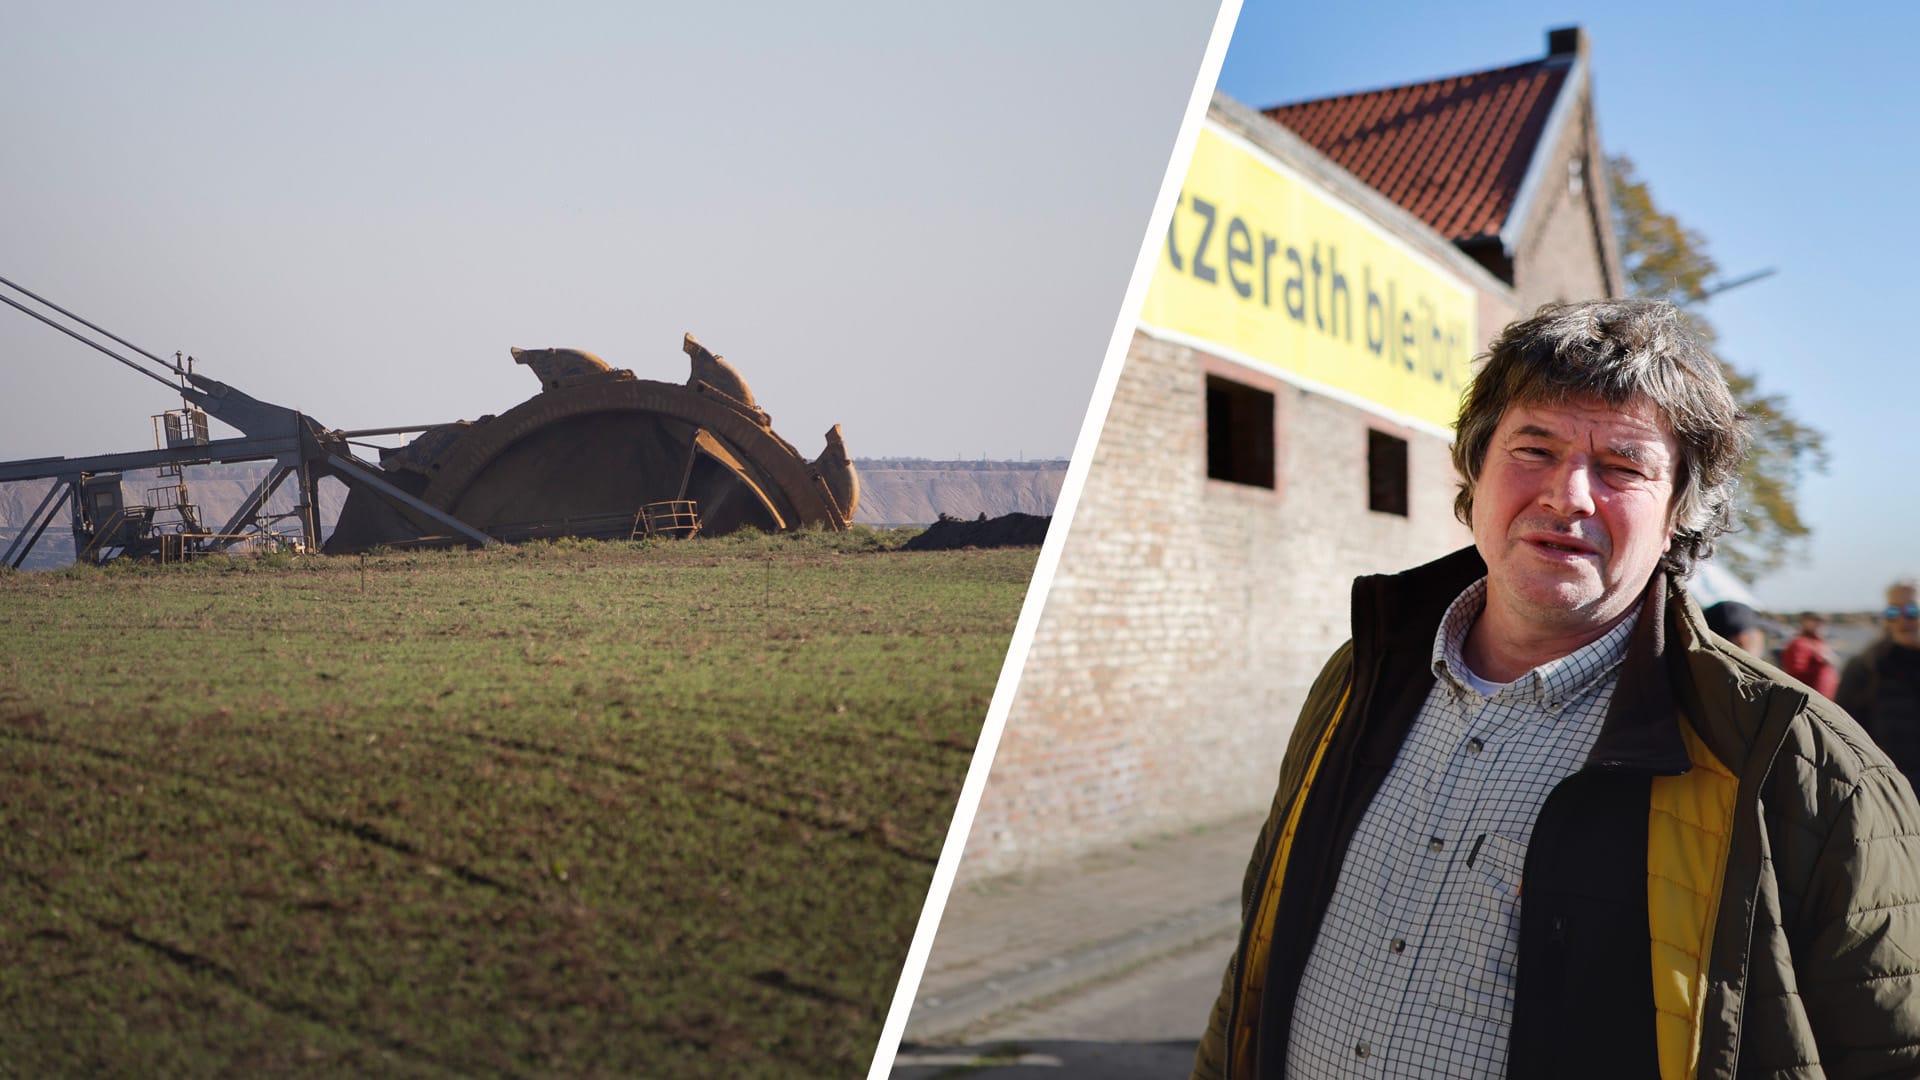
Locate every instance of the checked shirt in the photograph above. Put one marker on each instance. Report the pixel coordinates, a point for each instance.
(1412, 973)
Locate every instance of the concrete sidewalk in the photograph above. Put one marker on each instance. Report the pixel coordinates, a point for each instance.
(1009, 941)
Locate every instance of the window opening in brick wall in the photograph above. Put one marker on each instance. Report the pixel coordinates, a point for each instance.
(1386, 473)
(1239, 433)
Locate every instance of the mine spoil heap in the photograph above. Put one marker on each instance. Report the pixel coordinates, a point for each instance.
(600, 453)
(1008, 530)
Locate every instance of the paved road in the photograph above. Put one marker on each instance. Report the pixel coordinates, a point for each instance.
(1141, 1024)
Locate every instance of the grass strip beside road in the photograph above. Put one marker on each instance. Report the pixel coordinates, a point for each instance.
(557, 809)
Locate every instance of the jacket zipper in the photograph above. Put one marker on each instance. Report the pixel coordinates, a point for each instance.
(1250, 903)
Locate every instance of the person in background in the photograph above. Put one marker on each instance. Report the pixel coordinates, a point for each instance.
(1810, 659)
(1739, 624)
(1881, 686)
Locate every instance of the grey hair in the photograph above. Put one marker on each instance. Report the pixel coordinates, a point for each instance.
(1616, 351)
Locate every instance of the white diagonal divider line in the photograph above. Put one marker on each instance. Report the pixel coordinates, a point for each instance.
(1049, 561)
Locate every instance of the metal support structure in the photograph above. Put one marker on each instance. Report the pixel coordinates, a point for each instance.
(80, 514)
(308, 457)
(219, 450)
(37, 523)
(348, 468)
(254, 502)
(365, 433)
(293, 440)
(309, 516)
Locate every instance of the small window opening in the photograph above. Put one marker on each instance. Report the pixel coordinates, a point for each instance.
(1386, 473)
(1239, 433)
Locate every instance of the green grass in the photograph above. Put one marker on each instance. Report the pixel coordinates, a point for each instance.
(567, 809)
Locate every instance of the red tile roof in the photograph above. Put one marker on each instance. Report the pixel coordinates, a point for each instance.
(1452, 151)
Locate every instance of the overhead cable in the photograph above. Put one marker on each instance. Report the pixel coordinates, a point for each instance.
(87, 341)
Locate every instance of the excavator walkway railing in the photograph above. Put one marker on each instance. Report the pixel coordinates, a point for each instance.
(676, 519)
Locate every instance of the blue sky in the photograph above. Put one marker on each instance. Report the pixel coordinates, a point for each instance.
(1785, 137)
(915, 220)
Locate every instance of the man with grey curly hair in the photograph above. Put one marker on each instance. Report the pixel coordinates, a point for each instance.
(1619, 356)
(1535, 818)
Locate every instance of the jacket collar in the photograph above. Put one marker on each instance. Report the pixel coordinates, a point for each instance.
(1642, 729)
(1393, 613)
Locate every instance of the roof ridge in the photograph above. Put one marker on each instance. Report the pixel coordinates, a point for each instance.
(1542, 61)
(1455, 151)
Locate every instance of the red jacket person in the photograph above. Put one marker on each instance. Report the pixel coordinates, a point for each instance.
(1535, 820)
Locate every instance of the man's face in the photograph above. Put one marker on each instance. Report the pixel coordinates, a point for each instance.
(1572, 511)
(1902, 629)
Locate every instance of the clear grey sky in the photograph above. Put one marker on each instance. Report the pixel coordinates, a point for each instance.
(1783, 134)
(916, 220)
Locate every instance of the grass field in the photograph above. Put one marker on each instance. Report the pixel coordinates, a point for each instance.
(613, 810)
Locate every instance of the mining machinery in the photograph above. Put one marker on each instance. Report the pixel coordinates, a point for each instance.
(596, 452)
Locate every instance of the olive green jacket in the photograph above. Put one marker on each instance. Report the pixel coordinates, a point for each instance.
(1811, 874)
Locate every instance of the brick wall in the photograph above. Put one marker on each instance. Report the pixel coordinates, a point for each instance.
(1188, 616)
(1562, 254)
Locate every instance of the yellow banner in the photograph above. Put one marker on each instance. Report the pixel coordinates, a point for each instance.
(1259, 267)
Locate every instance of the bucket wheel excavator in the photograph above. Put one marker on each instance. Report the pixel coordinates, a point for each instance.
(598, 452)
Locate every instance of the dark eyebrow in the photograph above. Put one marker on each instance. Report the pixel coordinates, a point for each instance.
(1535, 430)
